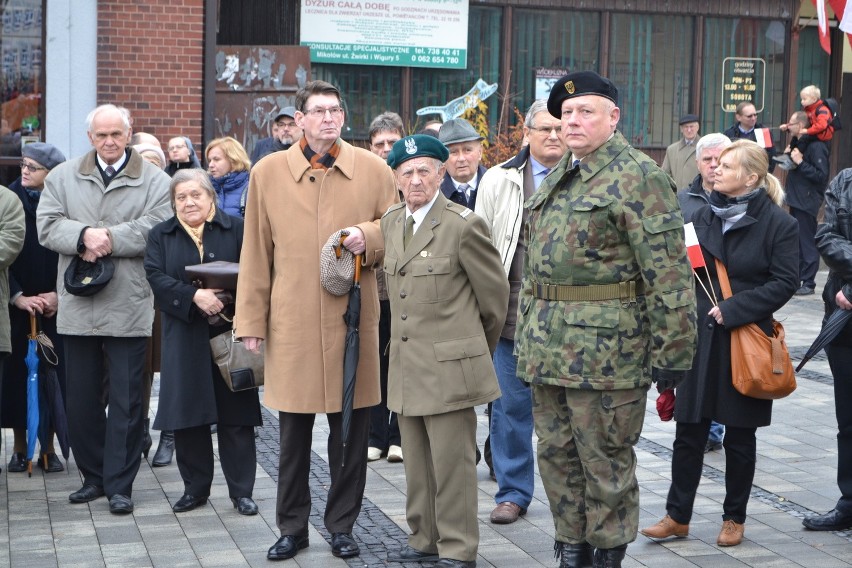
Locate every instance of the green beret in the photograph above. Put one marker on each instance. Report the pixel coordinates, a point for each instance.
(577, 84)
(416, 146)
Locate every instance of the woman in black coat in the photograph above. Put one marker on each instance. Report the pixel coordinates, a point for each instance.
(193, 394)
(757, 241)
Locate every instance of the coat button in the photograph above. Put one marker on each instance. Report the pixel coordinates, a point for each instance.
(211, 255)
(430, 269)
(175, 302)
(710, 325)
(403, 294)
(404, 338)
(402, 272)
(403, 317)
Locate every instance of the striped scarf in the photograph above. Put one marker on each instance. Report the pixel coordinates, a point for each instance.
(318, 162)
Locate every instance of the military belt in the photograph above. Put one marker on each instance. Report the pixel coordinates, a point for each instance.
(624, 291)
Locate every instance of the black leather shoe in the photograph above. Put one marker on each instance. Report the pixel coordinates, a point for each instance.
(54, 464)
(451, 563)
(609, 557)
(344, 546)
(165, 449)
(834, 520)
(188, 503)
(245, 506)
(287, 547)
(120, 505)
(17, 463)
(574, 555)
(408, 554)
(86, 493)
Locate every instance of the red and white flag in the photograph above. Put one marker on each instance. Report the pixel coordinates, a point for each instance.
(763, 137)
(822, 21)
(693, 249)
(843, 12)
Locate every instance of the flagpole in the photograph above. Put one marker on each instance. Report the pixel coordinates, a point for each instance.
(710, 282)
(709, 297)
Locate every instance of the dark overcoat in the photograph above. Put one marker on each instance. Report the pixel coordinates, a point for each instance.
(761, 253)
(192, 392)
(32, 273)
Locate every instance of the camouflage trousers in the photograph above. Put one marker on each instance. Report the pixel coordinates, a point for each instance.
(587, 462)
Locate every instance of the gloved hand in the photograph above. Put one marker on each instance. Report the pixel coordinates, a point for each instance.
(666, 379)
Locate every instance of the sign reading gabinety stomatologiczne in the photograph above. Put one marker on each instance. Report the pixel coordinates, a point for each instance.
(410, 33)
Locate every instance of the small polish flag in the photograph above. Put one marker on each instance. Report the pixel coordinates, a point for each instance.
(763, 137)
(693, 249)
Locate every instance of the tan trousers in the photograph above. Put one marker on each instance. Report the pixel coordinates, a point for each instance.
(440, 471)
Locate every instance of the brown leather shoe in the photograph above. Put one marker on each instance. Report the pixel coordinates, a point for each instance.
(665, 528)
(506, 513)
(732, 533)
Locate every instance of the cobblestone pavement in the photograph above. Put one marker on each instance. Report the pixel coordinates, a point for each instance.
(795, 477)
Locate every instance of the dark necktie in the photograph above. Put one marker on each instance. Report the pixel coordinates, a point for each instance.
(575, 164)
(109, 171)
(409, 231)
(463, 187)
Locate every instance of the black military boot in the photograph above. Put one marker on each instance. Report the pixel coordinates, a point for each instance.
(610, 557)
(165, 449)
(573, 555)
(146, 438)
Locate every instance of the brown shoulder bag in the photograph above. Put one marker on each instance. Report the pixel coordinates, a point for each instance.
(760, 365)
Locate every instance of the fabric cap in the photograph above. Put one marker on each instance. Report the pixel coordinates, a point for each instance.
(337, 275)
(88, 278)
(687, 118)
(45, 154)
(286, 111)
(416, 146)
(151, 148)
(577, 84)
(457, 130)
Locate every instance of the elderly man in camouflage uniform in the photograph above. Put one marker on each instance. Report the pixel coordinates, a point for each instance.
(607, 307)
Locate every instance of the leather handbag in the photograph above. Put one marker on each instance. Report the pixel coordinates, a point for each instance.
(220, 274)
(240, 368)
(760, 365)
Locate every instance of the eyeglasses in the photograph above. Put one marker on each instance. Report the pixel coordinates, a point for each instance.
(176, 147)
(31, 167)
(546, 130)
(319, 112)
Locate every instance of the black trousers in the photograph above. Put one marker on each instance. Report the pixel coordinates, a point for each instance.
(808, 253)
(840, 361)
(688, 460)
(347, 483)
(237, 454)
(384, 428)
(107, 446)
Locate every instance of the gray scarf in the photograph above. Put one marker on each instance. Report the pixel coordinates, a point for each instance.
(728, 207)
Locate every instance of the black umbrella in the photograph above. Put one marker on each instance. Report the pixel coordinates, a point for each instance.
(830, 328)
(52, 416)
(352, 317)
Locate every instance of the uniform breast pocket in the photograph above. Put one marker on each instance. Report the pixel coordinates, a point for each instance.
(588, 221)
(429, 277)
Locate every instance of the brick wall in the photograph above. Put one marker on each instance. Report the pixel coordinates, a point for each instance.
(150, 60)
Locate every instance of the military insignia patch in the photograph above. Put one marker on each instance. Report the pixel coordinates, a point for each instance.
(410, 146)
(569, 86)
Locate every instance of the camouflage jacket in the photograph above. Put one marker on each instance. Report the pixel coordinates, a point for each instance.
(613, 219)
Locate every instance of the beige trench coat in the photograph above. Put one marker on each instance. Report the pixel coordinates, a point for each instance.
(290, 214)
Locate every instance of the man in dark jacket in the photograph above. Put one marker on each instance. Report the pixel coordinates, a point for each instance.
(833, 240)
(695, 195)
(805, 191)
(463, 166)
(747, 127)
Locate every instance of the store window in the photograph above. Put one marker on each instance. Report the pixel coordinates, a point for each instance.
(545, 41)
(651, 62)
(367, 92)
(740, 37)
(21, 81)
(437, 87)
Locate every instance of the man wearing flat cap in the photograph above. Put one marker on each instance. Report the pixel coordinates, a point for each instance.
(463, 163)
(606, 308)
(680, 157)
(102, 206)
(285, 133)
(448, 295)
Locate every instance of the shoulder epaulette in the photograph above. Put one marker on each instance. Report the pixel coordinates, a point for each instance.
(460, 210)
(394, 207)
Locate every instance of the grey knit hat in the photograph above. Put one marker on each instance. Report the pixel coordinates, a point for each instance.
(45, 154)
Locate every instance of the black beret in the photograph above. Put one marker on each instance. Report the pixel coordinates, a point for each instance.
(88, 278)
(577, 84)
(416, 146)
(687, 118)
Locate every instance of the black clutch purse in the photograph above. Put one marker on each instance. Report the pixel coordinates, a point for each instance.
(219, 274)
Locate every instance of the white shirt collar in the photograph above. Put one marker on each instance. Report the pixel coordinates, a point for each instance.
(471, 184)
(421, 213)
(116, 166)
